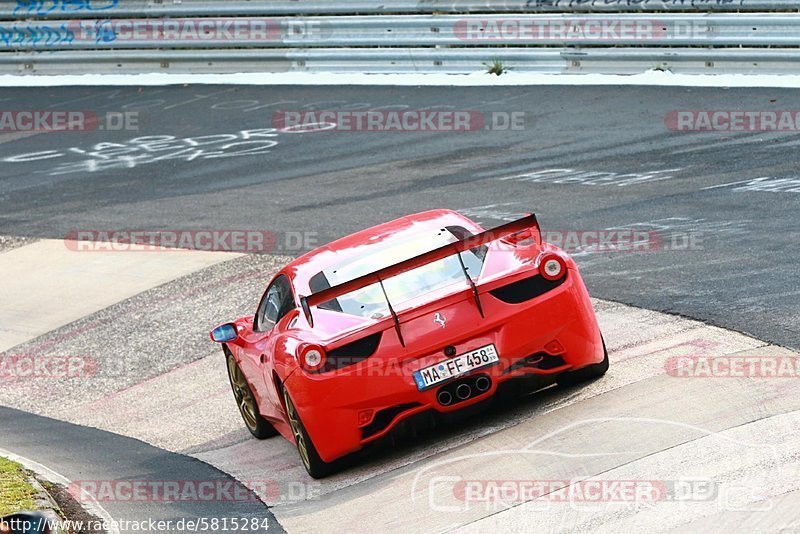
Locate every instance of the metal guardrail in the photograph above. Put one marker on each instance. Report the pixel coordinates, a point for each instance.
(69, 36)
(61, 9)
(668, 29)
(404, 60)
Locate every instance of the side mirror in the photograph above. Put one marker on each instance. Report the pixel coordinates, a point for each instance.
(224, 333)
(25, 523)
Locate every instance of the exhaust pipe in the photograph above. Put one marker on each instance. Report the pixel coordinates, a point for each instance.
(444, 398)
(463, 391)
(483, 383)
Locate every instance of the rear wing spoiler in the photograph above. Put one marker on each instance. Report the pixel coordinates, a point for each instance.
(451, 249)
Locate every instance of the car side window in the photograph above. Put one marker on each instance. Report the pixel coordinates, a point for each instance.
(277, 302)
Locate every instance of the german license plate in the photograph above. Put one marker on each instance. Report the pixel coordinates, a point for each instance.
(456, 366)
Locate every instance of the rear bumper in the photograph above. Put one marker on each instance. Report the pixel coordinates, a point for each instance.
(523, 335)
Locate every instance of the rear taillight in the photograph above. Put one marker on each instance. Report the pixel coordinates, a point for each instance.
(312, 357)
(552, 267)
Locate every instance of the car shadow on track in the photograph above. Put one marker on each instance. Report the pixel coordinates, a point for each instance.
(430, 432)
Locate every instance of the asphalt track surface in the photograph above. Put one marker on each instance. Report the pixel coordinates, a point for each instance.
(83, 455)
(739, 273)
(332, 183)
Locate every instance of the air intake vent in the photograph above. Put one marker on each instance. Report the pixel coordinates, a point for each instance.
(352, 353)
(526, 289)
(540, 360)
(384, 418)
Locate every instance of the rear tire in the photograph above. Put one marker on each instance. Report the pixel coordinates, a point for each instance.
(584, 374)
(259, 427)
(316, 466)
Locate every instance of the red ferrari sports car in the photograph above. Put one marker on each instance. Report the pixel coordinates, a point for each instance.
(426, 313)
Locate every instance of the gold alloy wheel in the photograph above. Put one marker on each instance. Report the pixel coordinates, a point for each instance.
(294, 422)
(244, 400)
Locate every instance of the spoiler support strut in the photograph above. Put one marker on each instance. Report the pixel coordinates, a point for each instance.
(475, 293)
(394, 315)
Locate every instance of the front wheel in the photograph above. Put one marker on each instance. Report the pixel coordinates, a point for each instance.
(584, 374)
(315, 465)
(257, 425)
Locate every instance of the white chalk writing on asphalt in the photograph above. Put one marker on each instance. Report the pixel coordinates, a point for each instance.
(764, 184)
(152, 149)
(583, 177)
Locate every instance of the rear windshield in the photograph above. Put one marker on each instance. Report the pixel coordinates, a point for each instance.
(370, 301)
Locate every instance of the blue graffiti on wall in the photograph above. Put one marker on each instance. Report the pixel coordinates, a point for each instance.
(35, 35)
(45, 7)
(104, 32)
